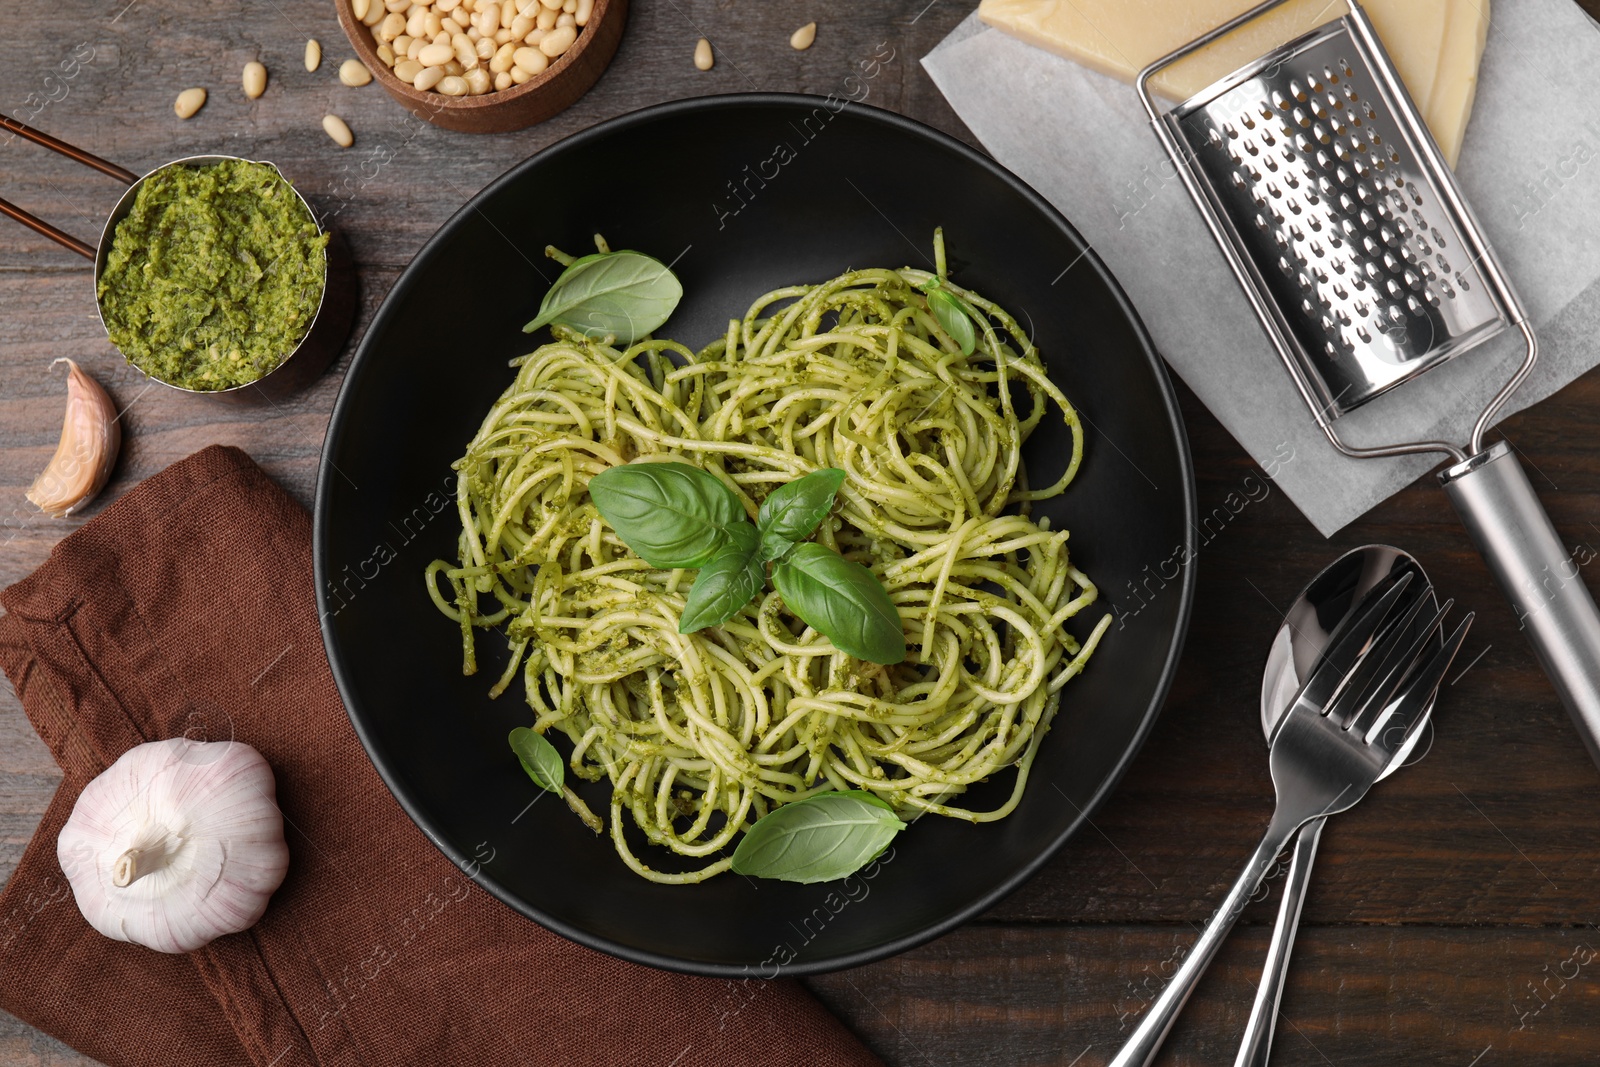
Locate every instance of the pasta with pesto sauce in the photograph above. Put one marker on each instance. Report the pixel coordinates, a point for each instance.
(701, 734)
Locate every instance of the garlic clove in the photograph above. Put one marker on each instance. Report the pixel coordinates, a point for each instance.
(178, 843)
(91, 434)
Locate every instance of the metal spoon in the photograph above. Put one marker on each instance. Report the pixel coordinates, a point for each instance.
(1305, 630)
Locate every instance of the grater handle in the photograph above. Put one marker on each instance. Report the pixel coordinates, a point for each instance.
(1538, 575)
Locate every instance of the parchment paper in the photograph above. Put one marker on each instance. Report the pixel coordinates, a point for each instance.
(1530, 167)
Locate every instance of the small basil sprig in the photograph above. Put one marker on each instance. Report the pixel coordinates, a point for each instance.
(624, 294)
(674, 515)
(539, 758)
(818, 839)
(952, 314)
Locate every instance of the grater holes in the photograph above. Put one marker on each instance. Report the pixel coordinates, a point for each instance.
(1392, 263)
(1370, 223)
(1366, 337)
(1344, 176)
(1301, 118)
(1449, 293)
(1332, 78)
(1364, 191)
(1394, 289)
(1247, 120)
(1284, 265)
(1302, 142)
(1360, 166)
(1371, 246)
(1318, 109)
(1388, 237)
(1412, 279)
(1280, 101)
(1461, 280)
(1431, 297)
(1438, 238)
(1415, 306)
(1321, 134)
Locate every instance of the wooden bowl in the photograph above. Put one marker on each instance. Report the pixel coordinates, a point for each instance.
(568, 77)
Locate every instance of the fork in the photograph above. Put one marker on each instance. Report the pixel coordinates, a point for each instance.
(1366, 695)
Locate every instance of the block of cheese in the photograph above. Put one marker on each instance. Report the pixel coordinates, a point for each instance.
(1435, 44)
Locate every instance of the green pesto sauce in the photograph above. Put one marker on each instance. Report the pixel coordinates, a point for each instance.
(214, 276)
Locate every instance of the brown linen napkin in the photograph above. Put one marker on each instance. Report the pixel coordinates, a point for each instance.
(187, 609)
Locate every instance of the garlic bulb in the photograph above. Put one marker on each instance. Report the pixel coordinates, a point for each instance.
(176, 844)
(86, 452)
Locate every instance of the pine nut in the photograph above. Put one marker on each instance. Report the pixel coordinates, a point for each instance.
(585, 9)
(354, 73)
(335, 127)
(402, 43)
(801, 39)
(478, 82)
(501, 61)
(702, 55)
(534, 36)
(453, 86)
(386, 54)
(508, 13)
(394, 24)
(451, 26)
(530, 61)
(189, 101)
(375, 13)
(427, 78)
(558, 40)
(503, 81)
(486, 48)
(435, 55)
(416, 49)
(447, 6)
(454, 69)
(396, 6)
(255, 80)
(552, 5)
(359, 9)
(520, 76)
(313, 54)
(502, 37)
(408, 69)
(565, 19)
(417, 24)
(546, 19)
(520, 26)
(570, 7)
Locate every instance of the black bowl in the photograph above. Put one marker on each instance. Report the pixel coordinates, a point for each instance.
(741, 194)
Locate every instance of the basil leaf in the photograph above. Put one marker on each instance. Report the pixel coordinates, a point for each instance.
(842, 600)
(818, 839)
(953, 318)
(792, 511)
(671, 514)
(626, 294)
(539, 758)
(725, 584)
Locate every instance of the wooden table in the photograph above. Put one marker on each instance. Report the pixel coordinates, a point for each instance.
(1448, 918)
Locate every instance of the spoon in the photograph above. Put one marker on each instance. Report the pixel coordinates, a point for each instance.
(1305, 630)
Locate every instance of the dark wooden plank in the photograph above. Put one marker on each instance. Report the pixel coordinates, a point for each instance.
(1368, 996)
